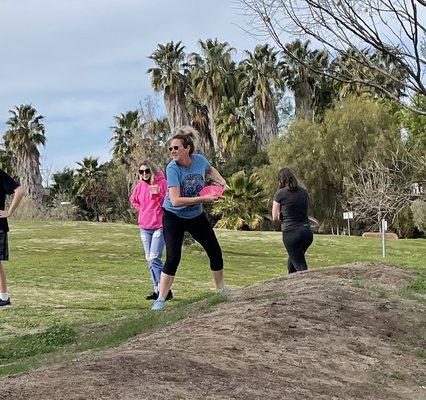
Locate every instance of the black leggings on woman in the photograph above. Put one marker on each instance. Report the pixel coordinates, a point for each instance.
(200, 229)
(297, 241)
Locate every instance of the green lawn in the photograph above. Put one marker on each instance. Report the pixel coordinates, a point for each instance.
(79, 285)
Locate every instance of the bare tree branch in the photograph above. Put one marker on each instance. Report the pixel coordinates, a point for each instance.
(381, 191)
(389, 27)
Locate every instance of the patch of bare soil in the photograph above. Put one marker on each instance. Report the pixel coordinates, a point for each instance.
(324, 334)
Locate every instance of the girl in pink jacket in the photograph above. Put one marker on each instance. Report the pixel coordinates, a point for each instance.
(147, 197)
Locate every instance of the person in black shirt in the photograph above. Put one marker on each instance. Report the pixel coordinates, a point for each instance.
(290, 205)
(7, 187)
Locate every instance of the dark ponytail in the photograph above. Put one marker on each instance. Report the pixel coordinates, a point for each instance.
(287, 179)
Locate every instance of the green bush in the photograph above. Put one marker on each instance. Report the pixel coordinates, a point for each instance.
(243, 205)
(418, 208)
(325, 154)
(28, 210)
(404, 224)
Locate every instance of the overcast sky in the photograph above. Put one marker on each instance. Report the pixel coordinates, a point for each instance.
(80, 62)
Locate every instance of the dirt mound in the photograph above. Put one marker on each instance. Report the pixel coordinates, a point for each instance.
(336, 333)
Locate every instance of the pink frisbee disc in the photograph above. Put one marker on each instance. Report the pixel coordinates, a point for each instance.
(211, 189)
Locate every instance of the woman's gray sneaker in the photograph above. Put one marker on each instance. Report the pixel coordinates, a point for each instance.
(224, 291)
(4, 304)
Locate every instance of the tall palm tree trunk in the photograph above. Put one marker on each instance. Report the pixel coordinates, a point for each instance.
(177, 113)
(28, 166)
(213, 108)
(201, 124)
(304, 101)
(266, 124)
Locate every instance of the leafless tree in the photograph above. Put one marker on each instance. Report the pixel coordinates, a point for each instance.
(395, 29)
(150, 139)
(47, 175)
(381, 190)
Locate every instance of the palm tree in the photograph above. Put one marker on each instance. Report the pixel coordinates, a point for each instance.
(200, 122)
(87, 175)
(395, 79)
(63, 184)
(170, 76)
(158, 129)
(25, 133)
(89, 187)
(7, 164)
(124, 133)
(234, 124)
(243, 205)
(348, 64)
(260, 74)
(305, 85)
(212, 73)
(362, 65)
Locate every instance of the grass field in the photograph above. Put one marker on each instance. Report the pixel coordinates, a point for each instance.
(78, 286)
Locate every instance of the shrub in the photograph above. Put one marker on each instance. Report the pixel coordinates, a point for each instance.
(29, 210)
(418, 207)
(243, 205)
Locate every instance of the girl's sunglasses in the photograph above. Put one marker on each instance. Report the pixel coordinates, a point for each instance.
(171, 148)
(144, 171)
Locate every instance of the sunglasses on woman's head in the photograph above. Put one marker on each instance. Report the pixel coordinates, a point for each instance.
(171, 148)
(145, 171)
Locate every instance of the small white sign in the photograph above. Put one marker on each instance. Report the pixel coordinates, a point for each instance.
(384, 225)
(348, 215)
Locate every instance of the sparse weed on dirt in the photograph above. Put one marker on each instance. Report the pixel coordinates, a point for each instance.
(358, 283)
(382, 294)
(415, 289)
(421, 353)
(418, 284)
(397, 376)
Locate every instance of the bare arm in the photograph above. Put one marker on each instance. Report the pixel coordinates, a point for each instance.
(18, 194)
(276, 208)
(177, 200)
(313, 220)
(217, 177)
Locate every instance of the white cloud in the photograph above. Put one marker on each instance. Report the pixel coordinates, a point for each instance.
(80, 62)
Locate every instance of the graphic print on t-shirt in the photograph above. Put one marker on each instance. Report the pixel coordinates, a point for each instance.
(191, 185)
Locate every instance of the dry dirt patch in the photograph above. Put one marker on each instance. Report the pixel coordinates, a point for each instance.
(313, 335)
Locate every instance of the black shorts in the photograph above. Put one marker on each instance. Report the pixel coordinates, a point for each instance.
(4, 247)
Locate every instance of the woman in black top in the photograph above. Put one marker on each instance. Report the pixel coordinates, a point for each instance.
(290, 205)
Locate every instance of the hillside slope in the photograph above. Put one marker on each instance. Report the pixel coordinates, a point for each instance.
(337, 333)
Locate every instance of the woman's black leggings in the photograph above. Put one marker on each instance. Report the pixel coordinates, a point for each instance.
(200, 229)
(297, 241)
